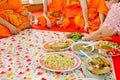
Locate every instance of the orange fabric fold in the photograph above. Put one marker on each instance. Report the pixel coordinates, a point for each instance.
(10, 12)
(94, 8)
(107, 38)
(56, 9)
(65, 22)
(57, 6)
(73, 4)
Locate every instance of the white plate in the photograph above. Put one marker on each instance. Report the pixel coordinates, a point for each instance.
(75, 57)
(99, 44)
(46, 46)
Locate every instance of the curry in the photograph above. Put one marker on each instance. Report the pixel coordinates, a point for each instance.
(79, 47)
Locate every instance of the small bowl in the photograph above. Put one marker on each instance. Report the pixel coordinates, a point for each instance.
(77, 46)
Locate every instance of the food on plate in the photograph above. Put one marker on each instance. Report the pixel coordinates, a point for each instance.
(113, 52)
(74, 36)
(79, 47)
(99, 65)
(107, 48)
(58, 61)
(58, 45)
(106, 45)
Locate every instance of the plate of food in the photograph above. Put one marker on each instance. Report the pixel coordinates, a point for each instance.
(74, 36)
(60, 61)
(58, 45)
(98, 67)
(108, 48)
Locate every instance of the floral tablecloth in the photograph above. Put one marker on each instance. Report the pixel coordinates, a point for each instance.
(20, 54)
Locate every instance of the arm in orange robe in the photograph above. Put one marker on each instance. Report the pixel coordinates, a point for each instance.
(95, 9)
(54, 13)
(12, 20)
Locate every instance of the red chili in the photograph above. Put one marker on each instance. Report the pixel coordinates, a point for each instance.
(113, 52)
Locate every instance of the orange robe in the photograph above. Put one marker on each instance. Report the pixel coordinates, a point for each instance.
(94, 8)
(56, 9)
(73, 3)
(10, 11)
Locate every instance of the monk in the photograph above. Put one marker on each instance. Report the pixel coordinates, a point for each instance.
(110, 27)
(54, 14)
(13, 17)
(92, 15)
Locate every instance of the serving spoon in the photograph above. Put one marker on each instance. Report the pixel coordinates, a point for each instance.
(86, 55)
(91, 44)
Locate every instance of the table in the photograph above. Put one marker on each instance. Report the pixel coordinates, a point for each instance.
(20, 54)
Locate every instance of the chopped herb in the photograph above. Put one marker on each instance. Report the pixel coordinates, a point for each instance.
(61, 55)
(56, 48)
(66, 46)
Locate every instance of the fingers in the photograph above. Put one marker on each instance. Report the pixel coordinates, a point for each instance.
(84, 34)
(86, 30)
(49, 24)
(58, 22)
(85, 39)
(31, 17)
(113, 31)
(15, 32)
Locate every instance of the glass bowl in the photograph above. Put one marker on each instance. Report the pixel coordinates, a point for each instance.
(86, 47)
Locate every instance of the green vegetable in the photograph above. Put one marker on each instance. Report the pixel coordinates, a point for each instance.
(75, 36)
(61, 55)
(66, 46)
(56, 48)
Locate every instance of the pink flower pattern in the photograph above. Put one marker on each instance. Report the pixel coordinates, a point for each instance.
(20, 55)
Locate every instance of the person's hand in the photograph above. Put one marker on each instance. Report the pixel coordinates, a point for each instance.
(49, 24)
(108, 31)
(86, 27)
(85, 36)
(31, 17)
(59, 22)
(13, 29)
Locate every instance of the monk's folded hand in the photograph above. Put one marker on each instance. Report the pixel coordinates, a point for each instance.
(86, 27)
(59, 22)
(31, 17)
(49, 24)
(13, 29)
(29, 14)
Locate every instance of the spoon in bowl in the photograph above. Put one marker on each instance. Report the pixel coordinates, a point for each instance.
(91, 44)
(86, 55)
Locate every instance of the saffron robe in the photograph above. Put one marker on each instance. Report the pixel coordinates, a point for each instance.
(94, 8)
(56, 9)
(10, 11)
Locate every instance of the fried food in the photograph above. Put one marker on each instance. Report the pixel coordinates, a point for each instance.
(99, 65)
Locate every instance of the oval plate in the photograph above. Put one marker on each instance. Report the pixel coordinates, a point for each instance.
(73, 56)
(47, 47)
(103, 48)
